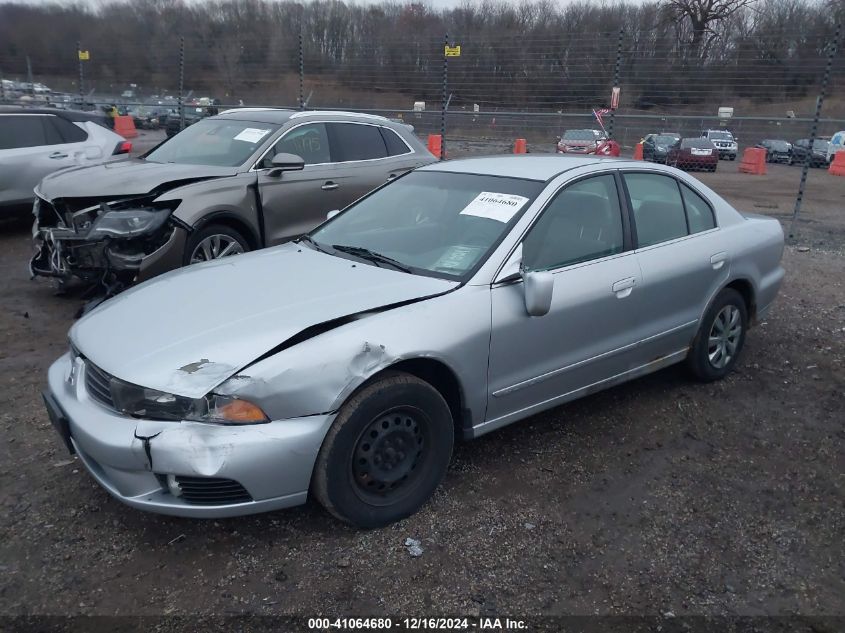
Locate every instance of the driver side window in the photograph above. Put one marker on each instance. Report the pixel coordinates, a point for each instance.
(582, 222)
(309, 141)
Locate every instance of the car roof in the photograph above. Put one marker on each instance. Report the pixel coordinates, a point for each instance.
(70, 115)
(540, 168)
(279, 115)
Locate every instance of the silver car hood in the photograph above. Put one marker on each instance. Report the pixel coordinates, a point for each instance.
(191, 329)
(124, 178)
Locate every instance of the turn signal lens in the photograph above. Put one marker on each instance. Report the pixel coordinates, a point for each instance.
(239, 411)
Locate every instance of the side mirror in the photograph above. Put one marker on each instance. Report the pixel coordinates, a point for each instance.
(285, 162)
(538, 287)
(332, 213)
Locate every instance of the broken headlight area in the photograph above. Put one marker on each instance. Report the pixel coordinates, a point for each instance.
(97, 241)
(152, 404)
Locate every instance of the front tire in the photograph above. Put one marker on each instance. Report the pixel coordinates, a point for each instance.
(720, 338)
(386, 452)
(214, 241)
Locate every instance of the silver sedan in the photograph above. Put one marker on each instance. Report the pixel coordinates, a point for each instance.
(457, 299)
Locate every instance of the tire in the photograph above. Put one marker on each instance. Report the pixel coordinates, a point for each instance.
(205, 237)
(733, 156)
(704, 359)
(354, 476)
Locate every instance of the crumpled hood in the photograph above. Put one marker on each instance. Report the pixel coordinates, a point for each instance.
(191, 329)
(124, 178)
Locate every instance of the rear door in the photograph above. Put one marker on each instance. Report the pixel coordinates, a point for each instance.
(681, 254)
(30, 148)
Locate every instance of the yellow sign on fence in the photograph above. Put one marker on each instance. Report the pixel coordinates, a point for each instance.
(452, 51)
(84, 56)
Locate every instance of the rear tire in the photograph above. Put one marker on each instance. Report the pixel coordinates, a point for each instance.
(386, 452)
(720, 338)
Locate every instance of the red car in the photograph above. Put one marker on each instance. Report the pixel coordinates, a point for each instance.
(693, 154)
(587, 142)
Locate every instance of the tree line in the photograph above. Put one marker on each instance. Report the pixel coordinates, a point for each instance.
(530, 55)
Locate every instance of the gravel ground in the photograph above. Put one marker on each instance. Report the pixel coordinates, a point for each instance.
(662, 495)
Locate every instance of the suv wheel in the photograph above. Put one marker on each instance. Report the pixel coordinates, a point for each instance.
(214, 242)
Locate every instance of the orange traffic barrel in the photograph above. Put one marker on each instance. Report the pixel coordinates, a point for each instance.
(520, 146)
(638, 151)
(125, 126)
(837, 165)
(435, 143)
(753, 161)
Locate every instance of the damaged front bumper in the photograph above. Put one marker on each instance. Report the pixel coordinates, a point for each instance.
(187, 469)
(70, 243)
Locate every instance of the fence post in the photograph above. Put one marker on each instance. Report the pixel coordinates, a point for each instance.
(29, 76)
(443, 102)
(301, 72)
(81, 74)
(615, 81)
(805, 168)
(181, 83)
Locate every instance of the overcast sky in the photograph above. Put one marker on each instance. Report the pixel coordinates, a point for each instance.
(438, 4)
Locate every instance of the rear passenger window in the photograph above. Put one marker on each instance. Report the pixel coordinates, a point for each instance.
(658, 208)
(354, 141)
(699, 213)
(309, 142)
(70, 132)
(395, 145)
(581, 223)
(18, 131)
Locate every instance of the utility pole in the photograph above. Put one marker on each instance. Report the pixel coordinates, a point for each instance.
(81, 73)
(615, 81)
(29, 76)
(444, 103)
(181, 82)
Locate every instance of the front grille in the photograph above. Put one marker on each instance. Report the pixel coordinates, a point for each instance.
(98, 384)
(211, 491)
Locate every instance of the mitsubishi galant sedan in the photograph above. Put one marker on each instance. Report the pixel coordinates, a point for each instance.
(460, 298)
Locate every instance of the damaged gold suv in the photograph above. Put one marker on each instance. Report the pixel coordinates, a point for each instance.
(231, 183)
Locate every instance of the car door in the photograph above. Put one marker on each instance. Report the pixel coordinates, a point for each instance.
(681, 254)
(590, 333)
(30, 148)
(362, 158)
(294, 202)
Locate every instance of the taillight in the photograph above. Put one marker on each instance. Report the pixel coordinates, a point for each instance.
(124, 147)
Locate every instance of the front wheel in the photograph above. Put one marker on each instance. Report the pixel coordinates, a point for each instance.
(720, 338)
(386, 452)
(214, 242)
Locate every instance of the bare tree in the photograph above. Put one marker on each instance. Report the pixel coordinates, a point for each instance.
(702, 17)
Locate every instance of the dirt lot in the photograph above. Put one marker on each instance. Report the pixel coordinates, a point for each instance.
(659, 496)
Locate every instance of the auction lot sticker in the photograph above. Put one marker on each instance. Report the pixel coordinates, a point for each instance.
(252, 135)
(495, 206)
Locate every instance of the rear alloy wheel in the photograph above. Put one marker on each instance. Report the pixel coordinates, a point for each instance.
(214, 242)
(386, 452)
(720, 337)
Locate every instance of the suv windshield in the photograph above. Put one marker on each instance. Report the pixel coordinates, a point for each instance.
(216, 142)
(433, 223)
(821, 144)
(665, 139)
(579, 135)
(720, 136)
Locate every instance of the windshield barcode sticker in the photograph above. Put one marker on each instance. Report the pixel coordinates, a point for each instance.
(252, 135)
(495, 206)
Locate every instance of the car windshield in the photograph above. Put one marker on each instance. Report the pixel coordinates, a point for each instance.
(721, 136)
(432, 223)
(779, 146)
(579, 135)
(820, 144)
(665, 139)
(217, 142)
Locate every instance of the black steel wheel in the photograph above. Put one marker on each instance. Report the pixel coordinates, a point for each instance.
(386, 452)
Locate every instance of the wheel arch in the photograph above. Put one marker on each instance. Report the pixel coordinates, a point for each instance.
(233, 221)
(746, 289)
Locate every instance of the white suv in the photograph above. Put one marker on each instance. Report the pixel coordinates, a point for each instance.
(35, 142)
(724, 142)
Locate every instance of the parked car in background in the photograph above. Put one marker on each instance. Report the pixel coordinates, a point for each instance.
(817, 155)
(580, 141)
(776, 151)
(837, 144)
(35, 142)
(693, 154)
(724, 141)
(226, 185)
(345, 365)
(656, 146)
(174, 123)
